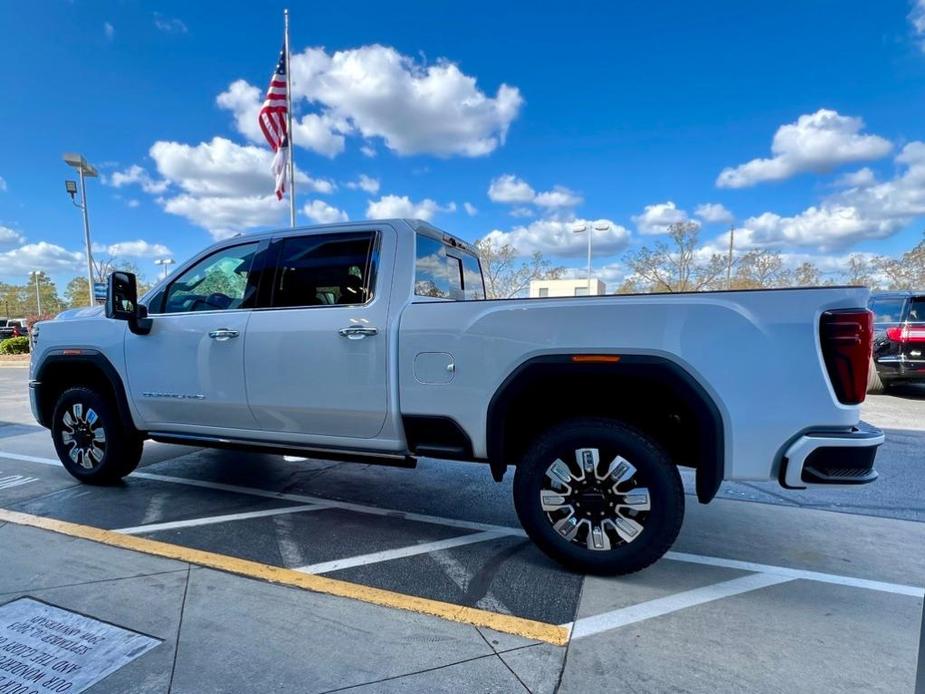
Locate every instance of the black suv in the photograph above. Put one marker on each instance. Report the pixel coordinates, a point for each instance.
(899, 339)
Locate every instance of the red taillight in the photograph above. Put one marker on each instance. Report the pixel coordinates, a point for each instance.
(906, 333)
(846, 338)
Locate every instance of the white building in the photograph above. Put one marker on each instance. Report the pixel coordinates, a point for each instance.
(544, 288)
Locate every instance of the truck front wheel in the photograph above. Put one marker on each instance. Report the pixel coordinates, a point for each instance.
(90, 440)
(599, 496)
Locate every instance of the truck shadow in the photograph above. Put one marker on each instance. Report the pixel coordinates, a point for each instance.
(908, 391)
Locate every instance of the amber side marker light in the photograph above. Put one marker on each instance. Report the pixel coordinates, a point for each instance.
(595, 358)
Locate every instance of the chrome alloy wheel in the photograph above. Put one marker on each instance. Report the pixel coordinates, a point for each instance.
(594, 506)
(83, 436)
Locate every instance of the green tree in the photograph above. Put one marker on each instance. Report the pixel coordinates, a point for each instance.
(76, 294)
(47, 296)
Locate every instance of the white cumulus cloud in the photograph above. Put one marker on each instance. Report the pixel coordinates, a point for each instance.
(508, 188)
(713, 213)
(556, 237)
(137, 249)
(512, 190)
(816, 142)
(321, 212)
(44, 256)
(470, 209)
(10, 237)
(855, 214)
(365, 183)
(378, 93)
(136, 175)
(226, 216)
(392, 206)
(655, 219)
(225, 187)
(917, 19)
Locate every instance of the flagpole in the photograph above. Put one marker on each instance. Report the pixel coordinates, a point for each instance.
(289, 125)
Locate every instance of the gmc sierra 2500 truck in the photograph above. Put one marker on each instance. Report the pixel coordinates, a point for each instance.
(373, 342)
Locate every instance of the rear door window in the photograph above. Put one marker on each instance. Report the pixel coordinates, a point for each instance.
(324, 270)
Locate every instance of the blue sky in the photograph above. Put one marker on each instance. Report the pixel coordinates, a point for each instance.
(534, 114)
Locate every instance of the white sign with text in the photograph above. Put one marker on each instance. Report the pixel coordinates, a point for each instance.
(46, 649)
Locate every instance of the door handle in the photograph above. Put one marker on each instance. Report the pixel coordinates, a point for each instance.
(357, 332)
(223, 334)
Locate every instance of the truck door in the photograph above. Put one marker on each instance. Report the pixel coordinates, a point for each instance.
(188, 372)
(316, 357)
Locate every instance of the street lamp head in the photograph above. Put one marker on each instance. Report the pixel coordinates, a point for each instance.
(579, 228)
(78, 162)
(71, 188)
(601, 225)
(164, 261)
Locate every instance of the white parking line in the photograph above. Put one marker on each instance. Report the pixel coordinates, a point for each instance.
(897, 588)
(589, 626)
(15, 481)
(410, 551)
(209, 520)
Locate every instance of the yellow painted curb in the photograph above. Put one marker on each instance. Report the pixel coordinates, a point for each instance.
(508, 624)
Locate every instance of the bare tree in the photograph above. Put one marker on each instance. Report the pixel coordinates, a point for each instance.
(807, 275)
(858, 271)
(761, 269)
(677, 266)
(506, 275)
(905, 272)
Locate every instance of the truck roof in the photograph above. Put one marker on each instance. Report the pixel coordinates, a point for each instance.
(417, 225)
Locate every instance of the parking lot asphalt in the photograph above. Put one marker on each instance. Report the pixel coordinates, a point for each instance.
(766, 597)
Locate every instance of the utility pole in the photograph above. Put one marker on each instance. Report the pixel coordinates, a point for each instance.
(732, 235)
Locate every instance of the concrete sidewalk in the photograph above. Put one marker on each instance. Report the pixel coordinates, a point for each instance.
(225, 633)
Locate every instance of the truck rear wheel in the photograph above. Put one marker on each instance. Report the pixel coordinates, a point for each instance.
(875, 385)
(91, 440)
(599, 497)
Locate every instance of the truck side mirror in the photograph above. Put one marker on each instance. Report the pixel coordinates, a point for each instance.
(122, 302)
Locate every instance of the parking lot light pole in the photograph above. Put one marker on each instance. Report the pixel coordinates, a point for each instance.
(579, 228)
(85, 170)
(38, 300)
(164, 262)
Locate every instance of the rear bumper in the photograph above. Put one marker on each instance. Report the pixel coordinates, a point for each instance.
(895, 367)
(826, 458)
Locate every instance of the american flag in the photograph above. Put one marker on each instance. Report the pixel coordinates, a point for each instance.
(272, 119)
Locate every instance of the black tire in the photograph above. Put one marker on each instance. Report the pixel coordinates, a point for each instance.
(875, 385)
(654, 472)
(85, 423)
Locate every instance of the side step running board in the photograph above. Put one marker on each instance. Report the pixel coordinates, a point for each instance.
(295, 450)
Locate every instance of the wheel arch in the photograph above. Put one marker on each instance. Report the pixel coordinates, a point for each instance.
(652, 393)
(61, 370)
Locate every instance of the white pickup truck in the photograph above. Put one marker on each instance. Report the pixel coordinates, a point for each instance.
(373, 342)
